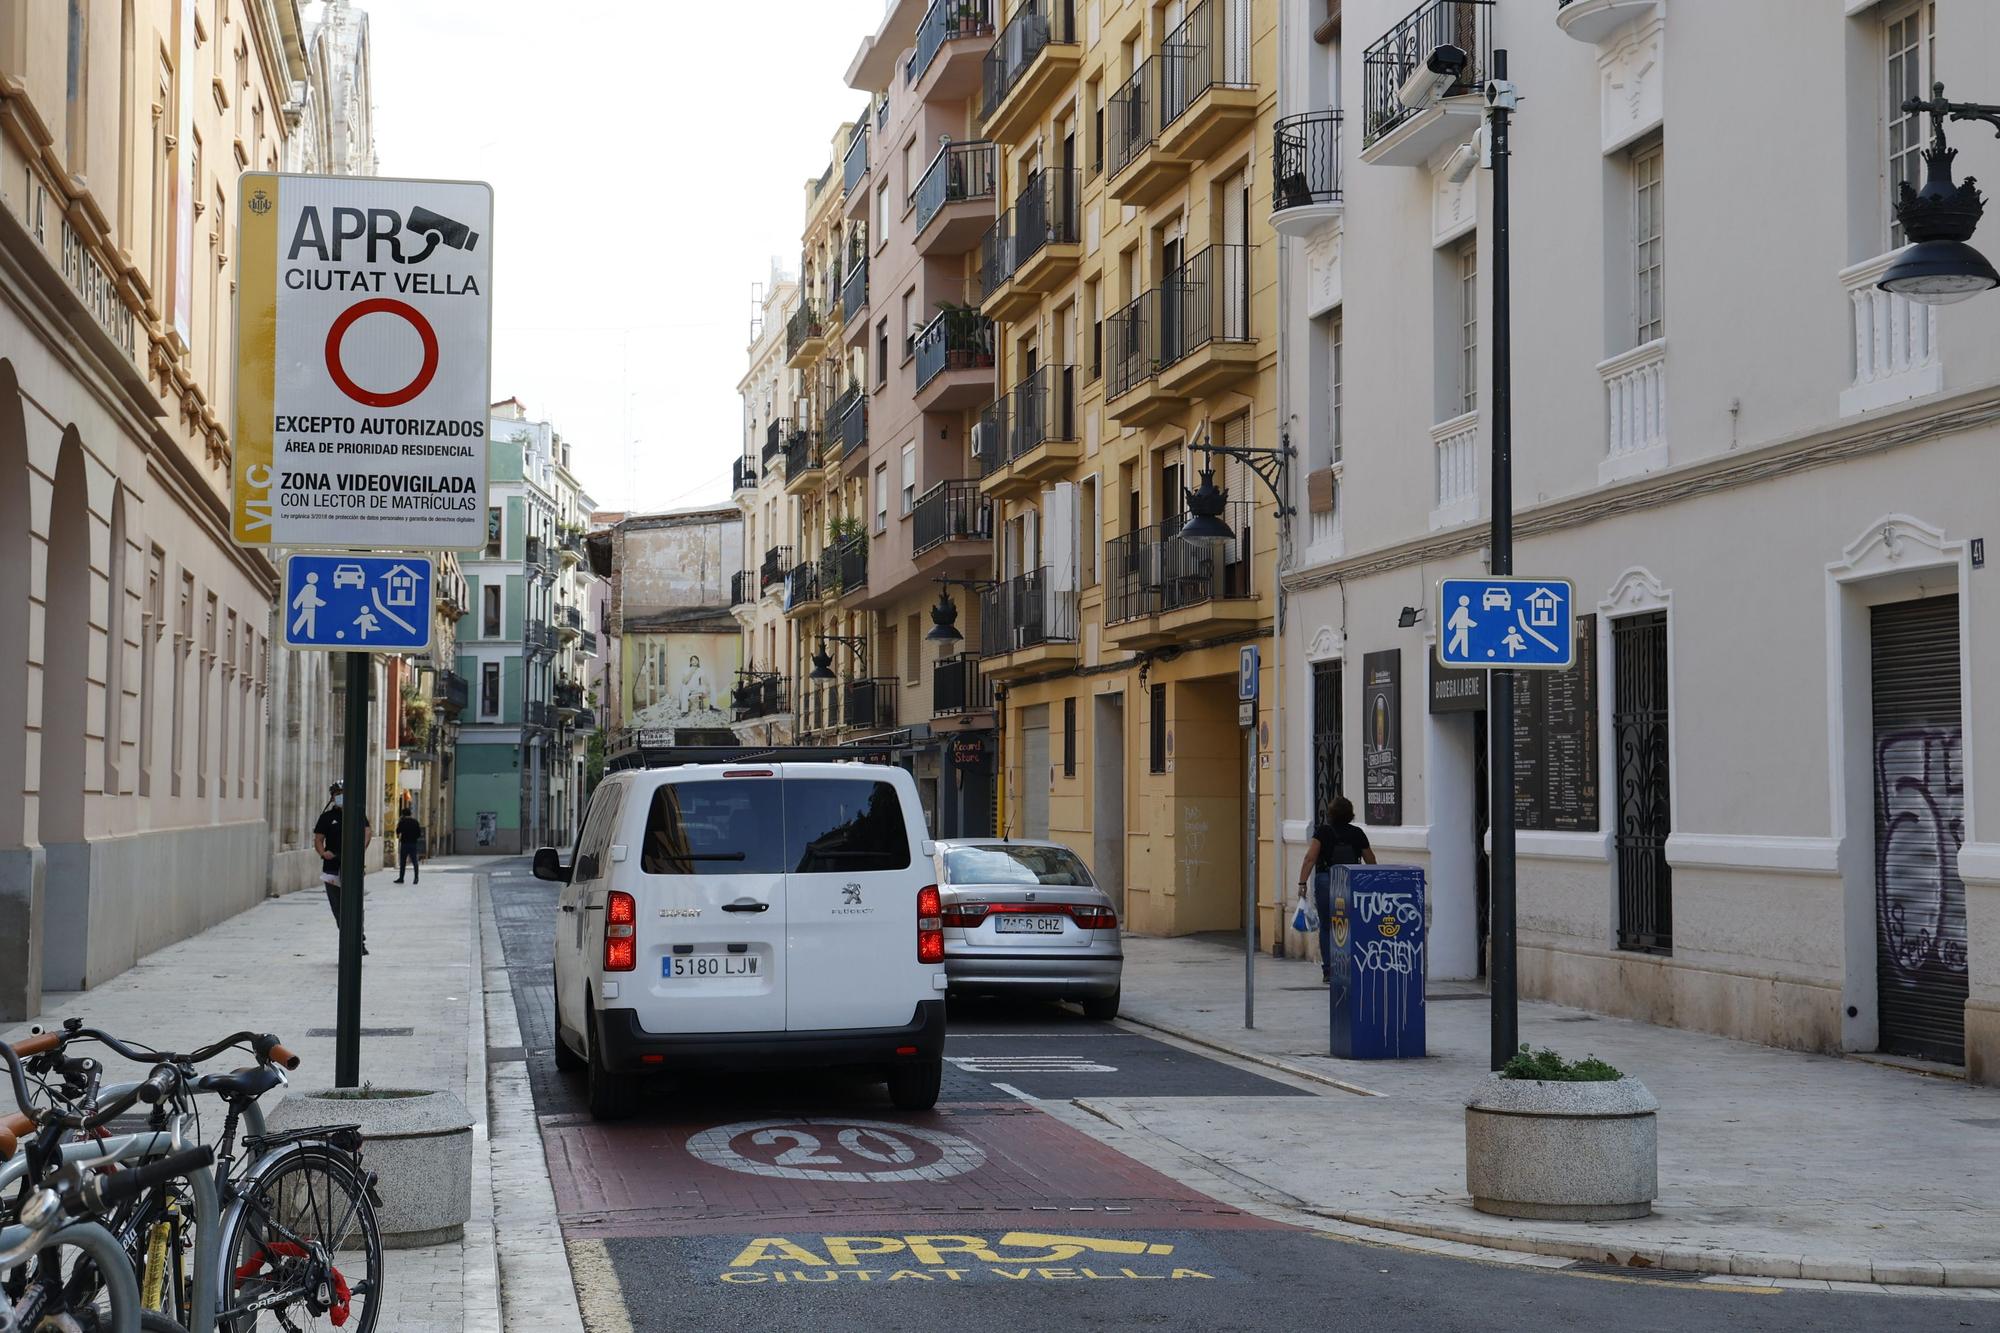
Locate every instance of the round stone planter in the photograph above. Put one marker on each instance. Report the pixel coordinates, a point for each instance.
(419, 1145)
(1571, 1152)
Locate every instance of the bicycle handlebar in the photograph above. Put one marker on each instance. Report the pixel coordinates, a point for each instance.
(100, 1191)
(38, 1043)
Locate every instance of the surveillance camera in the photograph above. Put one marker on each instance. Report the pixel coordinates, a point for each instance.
(1429, 81)
(1460, 164)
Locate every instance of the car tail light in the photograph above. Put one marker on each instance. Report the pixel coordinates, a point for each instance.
(621, 917)
(965, 914)
(930, 925)
(1094, 918)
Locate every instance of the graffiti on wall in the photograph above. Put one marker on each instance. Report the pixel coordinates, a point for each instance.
(1920, 806)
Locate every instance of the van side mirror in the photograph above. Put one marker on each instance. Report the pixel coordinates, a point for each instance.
(549, 866)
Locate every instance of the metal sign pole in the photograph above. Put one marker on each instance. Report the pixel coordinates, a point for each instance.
(1500, 695)
(1250, 878)
(353, 845)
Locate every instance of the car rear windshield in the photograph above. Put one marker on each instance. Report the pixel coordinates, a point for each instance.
(1055, 866)
(821, 826)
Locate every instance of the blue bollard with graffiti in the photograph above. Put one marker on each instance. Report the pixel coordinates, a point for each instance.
(1376, 993)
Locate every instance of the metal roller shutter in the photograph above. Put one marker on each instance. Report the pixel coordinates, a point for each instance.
(1919, 779)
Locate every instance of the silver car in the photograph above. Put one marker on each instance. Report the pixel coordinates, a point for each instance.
(1025, 918)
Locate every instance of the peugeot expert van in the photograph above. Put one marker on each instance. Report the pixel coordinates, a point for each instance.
(749, 916)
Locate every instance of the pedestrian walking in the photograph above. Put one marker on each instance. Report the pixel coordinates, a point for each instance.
(326, 841)
(1336, 841)
(410, 846)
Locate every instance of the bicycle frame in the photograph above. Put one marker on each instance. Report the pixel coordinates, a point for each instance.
(113, 1265)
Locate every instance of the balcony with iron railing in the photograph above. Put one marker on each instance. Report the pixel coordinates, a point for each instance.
(1036, 55)
(588, 644)
(1040, 426)
(1391, 133)
(952, 41)
(852, 414)
(954, 360)
(535, 713)
(854, 291)
(957, 686)
(534, 555)
(1025, 623)
(777, 560)
(953, 200)
(1132, 392)
(1137, 170)
(854, 166)
(567, 696)
(570, 546)
(850, 566)
(805, 336)
(804, 464)
(743, 475)
(1206, 96)
(1048, 229)
(1185, 339)
(802, 587)
(760, 696)
(743, 589)
(950, 524)
(1160, 589)
(774, 442)
(569, 622)
(997, 298)
(870, 704)
(452, 693)
(1305, 172)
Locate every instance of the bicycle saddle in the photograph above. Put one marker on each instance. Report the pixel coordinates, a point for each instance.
(241, 1084)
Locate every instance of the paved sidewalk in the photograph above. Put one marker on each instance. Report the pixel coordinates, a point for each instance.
(273, 968)
(1772, 1163)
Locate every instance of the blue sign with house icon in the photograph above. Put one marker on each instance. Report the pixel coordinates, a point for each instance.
(358, 603)
(1520, 624)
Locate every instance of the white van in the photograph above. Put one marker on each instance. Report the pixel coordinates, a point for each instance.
(750, 916)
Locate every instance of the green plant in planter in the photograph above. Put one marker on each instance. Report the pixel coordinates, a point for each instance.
(1547, 1067)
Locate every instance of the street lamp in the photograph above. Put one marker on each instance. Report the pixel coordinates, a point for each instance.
(944, 620)
(823, 660)
(1205, 526)
(1939, 268)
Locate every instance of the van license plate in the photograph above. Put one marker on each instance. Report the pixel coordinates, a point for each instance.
(1022, 923)
(709, 965)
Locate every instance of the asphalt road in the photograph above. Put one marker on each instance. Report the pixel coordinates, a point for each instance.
(793, 1201)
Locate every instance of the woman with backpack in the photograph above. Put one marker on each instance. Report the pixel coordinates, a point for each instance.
(1336, 841)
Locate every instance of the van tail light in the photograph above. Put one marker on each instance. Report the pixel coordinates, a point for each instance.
(621, 918)
(930, 925)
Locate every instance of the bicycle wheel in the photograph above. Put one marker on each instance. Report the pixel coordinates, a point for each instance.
(304, 1252)
(79, 1280)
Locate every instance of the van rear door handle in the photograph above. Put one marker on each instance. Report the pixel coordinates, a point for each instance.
(569, 907)
(744, 905)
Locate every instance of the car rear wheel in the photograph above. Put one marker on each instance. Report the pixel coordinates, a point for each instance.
(611, 1096)
(915, 1087)
(1101, 1008)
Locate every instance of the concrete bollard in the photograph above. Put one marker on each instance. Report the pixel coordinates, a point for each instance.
(1572, 1152)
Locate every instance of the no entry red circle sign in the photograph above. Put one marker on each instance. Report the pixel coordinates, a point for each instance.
(381, 305)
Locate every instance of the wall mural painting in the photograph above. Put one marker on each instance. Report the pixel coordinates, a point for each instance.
(680, 680)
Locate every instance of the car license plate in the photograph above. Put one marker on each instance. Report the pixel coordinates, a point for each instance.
(1026, 923)
(709, 965)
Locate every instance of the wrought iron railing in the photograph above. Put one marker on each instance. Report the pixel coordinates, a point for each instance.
(760, 696)
(567, 694)
(989, 437)
(1465, 24)
(854, 167)
(1046, 212)
(950, 511)
(996, 255)
(743, 587)
(960, 172)
(853, 413)
(777, 560)
(1305, 160)
(851, 553)
(947, 21)
(854, 292)
(533, 555)
(1024, 612)
(1202, 53)
(801, 454)
(872, 702)
(774, 440)
(805, 325)
(1041, 408)
(1131, 344)
(1036, 25)
(802, 585)
(957, 686)
(957, 339)
(587, 645)
(1206, 299)
(743, 475)
(453, 693)
(571, 616)
(1153, 570)
(1130, 124)
(535, 713)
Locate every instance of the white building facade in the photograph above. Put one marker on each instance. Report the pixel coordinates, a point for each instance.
(1752, 809)
(762, 702)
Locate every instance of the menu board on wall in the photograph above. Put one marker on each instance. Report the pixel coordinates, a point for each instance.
(1555, 742)
(1382, 739)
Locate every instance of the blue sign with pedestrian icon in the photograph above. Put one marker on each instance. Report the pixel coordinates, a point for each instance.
(358, 603)
(1518, 624)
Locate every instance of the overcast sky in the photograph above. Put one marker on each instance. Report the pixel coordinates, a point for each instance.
(648, 159)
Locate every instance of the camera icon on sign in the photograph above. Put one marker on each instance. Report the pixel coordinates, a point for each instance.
(436, 228)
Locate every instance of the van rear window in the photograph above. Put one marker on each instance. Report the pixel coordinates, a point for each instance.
(713, 828)
(840, 825)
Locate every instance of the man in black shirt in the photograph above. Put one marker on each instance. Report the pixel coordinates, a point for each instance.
(409, 846)
(1336, 841)
(326, 841)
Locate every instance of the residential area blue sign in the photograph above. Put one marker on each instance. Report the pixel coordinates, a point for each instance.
(358, 603)
(1520, 624)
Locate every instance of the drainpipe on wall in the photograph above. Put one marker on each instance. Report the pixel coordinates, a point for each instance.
(1279, 746)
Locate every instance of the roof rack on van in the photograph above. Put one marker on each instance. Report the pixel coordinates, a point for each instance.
(668, 756)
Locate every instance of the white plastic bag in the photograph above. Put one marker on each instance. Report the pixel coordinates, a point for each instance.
(1305, 918)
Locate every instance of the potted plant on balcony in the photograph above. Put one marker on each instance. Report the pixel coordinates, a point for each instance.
(1550, 1139)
